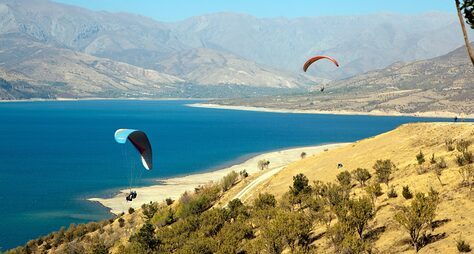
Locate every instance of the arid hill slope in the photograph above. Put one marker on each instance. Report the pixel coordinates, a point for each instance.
(401, 146)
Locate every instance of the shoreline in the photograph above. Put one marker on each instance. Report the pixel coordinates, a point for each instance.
(430, 114)
(174, 187)
(104, 99)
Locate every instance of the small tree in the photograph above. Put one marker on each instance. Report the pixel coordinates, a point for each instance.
(131, 210)
(383, 169)
(417, 217)
(438, 171)
(360, 212)
(300, 185)
(374, 191)
(263, 164)
(361, 175)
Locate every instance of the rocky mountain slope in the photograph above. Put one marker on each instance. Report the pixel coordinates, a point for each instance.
(361, 43)
(442, 84)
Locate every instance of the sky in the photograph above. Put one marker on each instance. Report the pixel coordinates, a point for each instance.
(174, 10)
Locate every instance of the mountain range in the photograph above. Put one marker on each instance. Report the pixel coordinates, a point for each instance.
(444, 84)
(67, 51)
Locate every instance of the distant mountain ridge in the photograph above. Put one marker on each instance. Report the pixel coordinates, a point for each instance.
(258, 55)
(443, 85)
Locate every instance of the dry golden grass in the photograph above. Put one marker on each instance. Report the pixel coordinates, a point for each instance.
(401, 145)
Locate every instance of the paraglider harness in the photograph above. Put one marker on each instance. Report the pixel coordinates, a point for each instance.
(131, 196)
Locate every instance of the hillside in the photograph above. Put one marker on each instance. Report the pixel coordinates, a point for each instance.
(274, 219)
(443, 84)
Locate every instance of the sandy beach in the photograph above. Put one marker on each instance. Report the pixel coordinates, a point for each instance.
(174, 187)
(436, 114)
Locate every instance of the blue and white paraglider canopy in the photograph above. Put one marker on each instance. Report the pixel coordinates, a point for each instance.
(140, 141)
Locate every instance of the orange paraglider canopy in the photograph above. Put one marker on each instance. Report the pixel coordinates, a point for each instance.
(316, 58)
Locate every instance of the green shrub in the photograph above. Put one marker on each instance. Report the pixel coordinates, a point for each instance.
(264, 201)
(383, 169)
(229, 180)
(169, 201)
(463, 246)
(244, 174)
(164, 217)
(417, 217)
(406, 193)
(121, 222)
(442, 163)
(449, 144)
(361, 175)
(460, 160)
(300, 185)
(303, 155)
(433, 159)
(463, 145)
(468, 157)
(131, 210)
(344, 178)
(392, 193)
(420, 158)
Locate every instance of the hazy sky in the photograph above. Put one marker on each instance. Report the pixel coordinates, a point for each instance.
(172, 10)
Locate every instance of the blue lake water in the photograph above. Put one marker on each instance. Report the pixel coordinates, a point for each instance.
(55, 155)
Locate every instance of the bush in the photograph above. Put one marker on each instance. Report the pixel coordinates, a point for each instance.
(131, 210)
(463, 246)
(164, 217)
(468, 157)
(169, 201)
(467, 175)
(392, 193)
(229, 180)
(303, 155)
(263, 164)
(460, 160)
(121, 222)
(406, 193)
(449, 144)
(361, 175)
(420, 158)
(463, 145)
(442, 163)
(244, 174)
(300, 185)
(149, 210)
(433, 159)
(344, 178)
(264, 201)
(146, 237)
